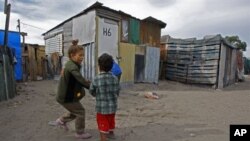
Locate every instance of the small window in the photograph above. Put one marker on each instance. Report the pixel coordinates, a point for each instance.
(124, 30)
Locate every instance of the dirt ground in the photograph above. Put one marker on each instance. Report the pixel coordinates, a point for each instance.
(182, 113)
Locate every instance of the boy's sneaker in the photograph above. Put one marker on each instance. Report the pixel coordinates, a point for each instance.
(83, 136)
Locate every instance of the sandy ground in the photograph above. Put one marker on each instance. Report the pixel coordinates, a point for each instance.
(183, 113)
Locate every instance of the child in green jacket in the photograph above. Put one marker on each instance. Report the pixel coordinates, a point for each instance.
(71, 90)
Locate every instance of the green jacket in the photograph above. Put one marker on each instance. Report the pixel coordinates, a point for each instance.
(71, 83)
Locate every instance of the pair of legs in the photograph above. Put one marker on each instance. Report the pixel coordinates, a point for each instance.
(105, 136)
(77, 112)
(106, 125)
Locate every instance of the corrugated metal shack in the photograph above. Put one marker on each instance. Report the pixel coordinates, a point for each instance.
(100, 29)
(210, 60)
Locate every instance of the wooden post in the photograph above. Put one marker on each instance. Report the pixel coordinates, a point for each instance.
(5, 7)
(5, 50)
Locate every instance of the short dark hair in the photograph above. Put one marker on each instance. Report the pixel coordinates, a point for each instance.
(105, 62)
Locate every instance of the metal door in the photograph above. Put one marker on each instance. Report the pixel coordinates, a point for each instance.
(107, 37)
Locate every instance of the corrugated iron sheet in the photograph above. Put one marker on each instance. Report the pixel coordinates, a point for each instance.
(84, 28)
(150, 34)
(230, 66)
(127, 62)
(89, 64)
(54, 44)
(108, 14)
(134, 31)
(54, 32)
(206, 61)
(140, 50)
(67, 36)
(152, 65)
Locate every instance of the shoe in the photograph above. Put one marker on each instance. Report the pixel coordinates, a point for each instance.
(62, 124)
(83, 136)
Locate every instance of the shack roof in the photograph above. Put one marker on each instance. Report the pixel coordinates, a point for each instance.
(99, 5)
(154, 20)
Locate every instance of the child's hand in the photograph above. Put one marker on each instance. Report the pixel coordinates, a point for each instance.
(62, 71)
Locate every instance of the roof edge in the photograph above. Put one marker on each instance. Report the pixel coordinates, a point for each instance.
(100, 5)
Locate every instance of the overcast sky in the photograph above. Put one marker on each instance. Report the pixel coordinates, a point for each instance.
(184, 18)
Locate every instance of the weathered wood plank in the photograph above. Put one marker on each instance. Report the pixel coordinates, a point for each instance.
(206, 52)
(207, 55)
(204, 63)
(190, 62)
(181, 52)
(176, 78)
(177, 67)
(193, 57)
(179, 61)
(201, 71)
(181, 74)
(202, 75)
(202, 80)
(179, 48)
(208, 67)
(174, 71)
(176, 56)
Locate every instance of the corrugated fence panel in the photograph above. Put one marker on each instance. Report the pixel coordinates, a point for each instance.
(134, 31)
(193, 63)
(206, 61)
(127, 63)
(233, 68)
(88, 69)
(152, 65)
(230, 66)
(222, 67)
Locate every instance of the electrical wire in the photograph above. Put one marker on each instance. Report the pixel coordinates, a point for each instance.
(33, 26)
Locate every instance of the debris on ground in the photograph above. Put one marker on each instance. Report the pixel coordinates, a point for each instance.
(151, 95)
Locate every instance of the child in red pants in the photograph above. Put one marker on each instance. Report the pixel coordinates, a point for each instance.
(105, 87)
